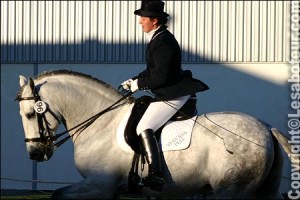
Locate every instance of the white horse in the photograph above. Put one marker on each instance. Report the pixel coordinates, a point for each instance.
(234, 154)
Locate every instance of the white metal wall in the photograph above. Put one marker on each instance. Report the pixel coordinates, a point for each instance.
(108, 31)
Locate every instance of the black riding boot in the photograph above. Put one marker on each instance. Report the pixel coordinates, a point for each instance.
(155, 179)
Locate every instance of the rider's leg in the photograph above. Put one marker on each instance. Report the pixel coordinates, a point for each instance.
(152, 153)
(157, 114)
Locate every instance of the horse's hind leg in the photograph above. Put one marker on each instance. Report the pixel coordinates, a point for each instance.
(270, 188)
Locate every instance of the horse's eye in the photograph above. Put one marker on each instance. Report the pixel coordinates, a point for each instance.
(30, 115)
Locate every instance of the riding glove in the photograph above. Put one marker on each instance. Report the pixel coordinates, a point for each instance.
(127, 84)
(134, 85)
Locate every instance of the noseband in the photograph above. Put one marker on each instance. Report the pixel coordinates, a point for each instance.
(41, 108)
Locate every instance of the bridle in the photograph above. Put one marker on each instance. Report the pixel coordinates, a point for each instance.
(41, 108)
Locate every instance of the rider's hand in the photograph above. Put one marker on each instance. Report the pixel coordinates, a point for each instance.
(127, 84)
(134, 85)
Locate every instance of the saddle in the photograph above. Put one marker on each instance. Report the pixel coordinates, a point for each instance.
(140, 105)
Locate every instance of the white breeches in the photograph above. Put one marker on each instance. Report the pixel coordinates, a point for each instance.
(158, 113)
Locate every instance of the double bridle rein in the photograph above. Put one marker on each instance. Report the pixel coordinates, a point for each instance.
(41, 108)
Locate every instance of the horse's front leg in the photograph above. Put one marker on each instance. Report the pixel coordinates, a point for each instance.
(93, 187)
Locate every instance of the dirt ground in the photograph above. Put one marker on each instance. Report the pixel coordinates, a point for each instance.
(8, 194)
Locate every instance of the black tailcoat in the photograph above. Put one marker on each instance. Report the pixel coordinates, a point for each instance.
(163, 74)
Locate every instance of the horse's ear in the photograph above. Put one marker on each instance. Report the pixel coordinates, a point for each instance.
(22, 81)
(31, 84)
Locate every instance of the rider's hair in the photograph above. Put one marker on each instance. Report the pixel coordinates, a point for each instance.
(160, 20)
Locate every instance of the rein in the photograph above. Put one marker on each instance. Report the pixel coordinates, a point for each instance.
(47, 140)
(83, 125)
(211, 131)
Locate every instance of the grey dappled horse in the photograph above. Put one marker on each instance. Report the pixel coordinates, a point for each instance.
(234, 154)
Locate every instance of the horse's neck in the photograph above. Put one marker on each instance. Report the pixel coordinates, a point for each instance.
(78, 100)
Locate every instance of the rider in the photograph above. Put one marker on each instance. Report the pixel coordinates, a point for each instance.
(164, 76)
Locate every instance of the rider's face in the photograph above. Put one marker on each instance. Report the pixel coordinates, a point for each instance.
(148, 24)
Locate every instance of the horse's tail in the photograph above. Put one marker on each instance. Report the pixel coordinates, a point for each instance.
(283, 140)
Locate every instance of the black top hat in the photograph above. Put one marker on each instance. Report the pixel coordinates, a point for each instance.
(151, 9)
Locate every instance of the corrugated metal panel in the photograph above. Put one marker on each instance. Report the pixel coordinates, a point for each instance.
(107, 31)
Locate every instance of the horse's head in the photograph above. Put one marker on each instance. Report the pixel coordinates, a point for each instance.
(39, 121)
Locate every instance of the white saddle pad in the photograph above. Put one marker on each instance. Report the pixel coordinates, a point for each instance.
(176, 135)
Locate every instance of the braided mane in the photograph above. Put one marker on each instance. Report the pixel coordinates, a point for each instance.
(71, 73)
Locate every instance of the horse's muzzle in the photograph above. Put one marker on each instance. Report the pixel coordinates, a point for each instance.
(40, 154)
